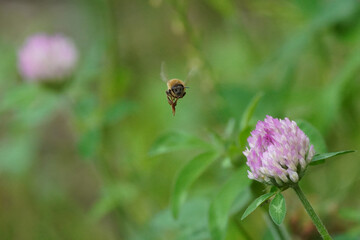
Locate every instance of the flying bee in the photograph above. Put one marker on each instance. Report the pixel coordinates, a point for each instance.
(176, 88)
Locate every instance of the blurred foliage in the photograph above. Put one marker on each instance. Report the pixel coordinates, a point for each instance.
(97, 158)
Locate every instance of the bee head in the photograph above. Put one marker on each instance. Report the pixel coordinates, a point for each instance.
(178, 89)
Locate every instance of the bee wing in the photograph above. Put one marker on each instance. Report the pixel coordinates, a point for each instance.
(190, 75)
(162, 73)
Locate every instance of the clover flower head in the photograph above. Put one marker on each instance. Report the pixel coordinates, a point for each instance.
(279, 152)
(47, 58)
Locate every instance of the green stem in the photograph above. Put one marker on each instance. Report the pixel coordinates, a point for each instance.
(316, 220)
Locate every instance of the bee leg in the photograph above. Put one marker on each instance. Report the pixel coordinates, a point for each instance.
(169, 100)
(173, 109)
(183, 94)
(172, 94)
(173, 106)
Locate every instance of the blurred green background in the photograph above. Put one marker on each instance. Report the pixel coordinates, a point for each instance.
(75, 162)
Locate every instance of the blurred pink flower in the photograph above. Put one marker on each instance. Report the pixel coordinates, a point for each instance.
(47, 58)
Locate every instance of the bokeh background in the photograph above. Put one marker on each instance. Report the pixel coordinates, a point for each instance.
(75, 162)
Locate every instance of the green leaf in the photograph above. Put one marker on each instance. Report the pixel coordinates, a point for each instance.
(112, 197)
(175, 141)
(29, 104)
(18, 97)
(187, 175)
(230, 128)
(245, 127)
(216, 140)
(322, 156)
(38, 109)
(277, 209)
(235, 155)
(314, 135)
(222, 203)
(191, 224)
(257, 202)
(250, 111)
(243, 136)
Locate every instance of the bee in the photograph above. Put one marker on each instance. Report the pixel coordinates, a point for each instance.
(176, 88)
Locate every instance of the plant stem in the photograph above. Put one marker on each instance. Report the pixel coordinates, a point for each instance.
(316, 220)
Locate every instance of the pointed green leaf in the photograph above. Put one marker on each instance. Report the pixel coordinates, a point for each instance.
(250, 110)
(257, 202)
(230, 128)
(322, 156)
(277, 209)
(216, 139)
(243, 136)
(220, 207)
(187, 175)
(112, 196)
(175, 141)
(314, 135)
(245, 128)
(19, 97)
